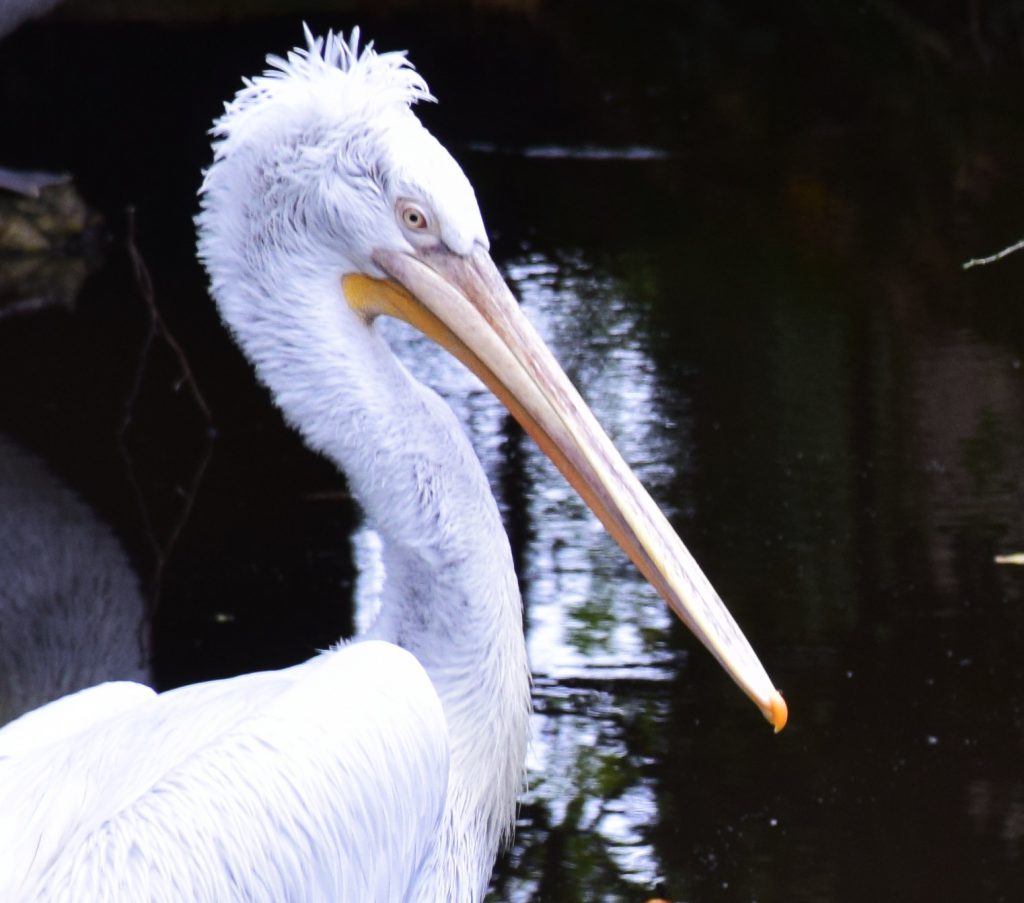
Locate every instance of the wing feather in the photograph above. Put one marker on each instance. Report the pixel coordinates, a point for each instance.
(323, 781)
(70, 714)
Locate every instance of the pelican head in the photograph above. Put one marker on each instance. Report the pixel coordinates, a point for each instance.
(336, 206)
(322, 160)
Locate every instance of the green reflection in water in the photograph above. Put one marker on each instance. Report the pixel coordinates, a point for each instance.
(584, 828)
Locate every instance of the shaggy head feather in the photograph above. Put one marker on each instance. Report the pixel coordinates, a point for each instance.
(311, 159)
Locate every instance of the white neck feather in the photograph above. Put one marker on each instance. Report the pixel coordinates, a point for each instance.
(450, 594)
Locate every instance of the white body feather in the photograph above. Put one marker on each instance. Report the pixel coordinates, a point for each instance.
(230, 791)
(383, 770)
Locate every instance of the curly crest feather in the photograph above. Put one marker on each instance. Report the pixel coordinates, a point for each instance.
(330, 74)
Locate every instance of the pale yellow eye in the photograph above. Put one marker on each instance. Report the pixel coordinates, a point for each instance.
(414, 218)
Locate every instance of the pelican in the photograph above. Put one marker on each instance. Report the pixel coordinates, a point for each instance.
(386, 768)
(63, 576)
(14, 12)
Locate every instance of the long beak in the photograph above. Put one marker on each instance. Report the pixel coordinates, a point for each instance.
(463, 304)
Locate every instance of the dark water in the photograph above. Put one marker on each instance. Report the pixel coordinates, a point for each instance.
(742, 235)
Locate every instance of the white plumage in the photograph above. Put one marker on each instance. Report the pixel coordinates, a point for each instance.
(228, 791)
(386, 769)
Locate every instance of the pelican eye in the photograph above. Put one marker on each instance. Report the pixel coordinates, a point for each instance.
(414, 218)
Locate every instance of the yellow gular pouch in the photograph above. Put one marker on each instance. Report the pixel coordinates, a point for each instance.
(371, 297)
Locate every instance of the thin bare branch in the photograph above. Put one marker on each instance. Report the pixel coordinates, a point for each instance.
(1006, 252)
(157, 327)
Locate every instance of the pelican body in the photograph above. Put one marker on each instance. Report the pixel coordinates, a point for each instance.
(388, 767)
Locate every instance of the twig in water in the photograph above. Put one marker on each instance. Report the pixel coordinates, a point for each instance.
(157, 327)
(1006, 252)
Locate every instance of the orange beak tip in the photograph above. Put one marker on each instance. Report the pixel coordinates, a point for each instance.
(778, 711)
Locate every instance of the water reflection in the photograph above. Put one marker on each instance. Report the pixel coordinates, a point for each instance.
(586, 606)
(967, 395)
(49, 244)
